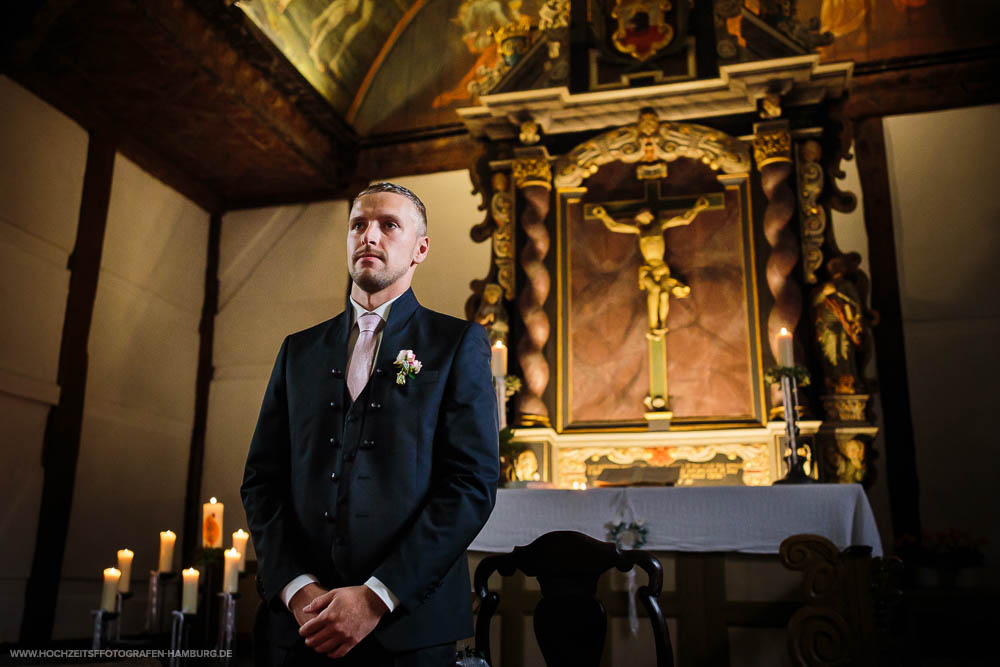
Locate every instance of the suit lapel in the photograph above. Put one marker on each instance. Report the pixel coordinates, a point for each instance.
(393, 337)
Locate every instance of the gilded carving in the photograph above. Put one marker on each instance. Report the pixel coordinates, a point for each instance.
(772, 143)
(553, 14)
(572, 461)
(812, 214)
(529, 130)
(655, 33)
(532, 170)
(650, 140)
(501, 208)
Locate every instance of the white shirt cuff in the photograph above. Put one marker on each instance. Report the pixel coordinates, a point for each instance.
(382, 592)
(293, 586)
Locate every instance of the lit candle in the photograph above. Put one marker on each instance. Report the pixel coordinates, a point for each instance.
(211, 524)
(231, 572)
(240, 538)
(189, 594)
(498, 361)
(125, 567)
(786, 352)
(111, 577)
(167, 540)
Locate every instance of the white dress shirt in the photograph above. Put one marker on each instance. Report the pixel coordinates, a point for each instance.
(293, 587)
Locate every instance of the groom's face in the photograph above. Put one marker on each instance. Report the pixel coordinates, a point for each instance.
(384, 240)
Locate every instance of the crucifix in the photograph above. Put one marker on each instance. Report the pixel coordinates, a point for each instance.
(649, 218)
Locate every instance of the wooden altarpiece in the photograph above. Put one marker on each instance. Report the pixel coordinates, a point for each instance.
(656, 218)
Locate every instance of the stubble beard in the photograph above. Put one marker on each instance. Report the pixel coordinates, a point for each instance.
(375, 281)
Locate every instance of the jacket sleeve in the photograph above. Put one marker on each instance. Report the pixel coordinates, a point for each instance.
(466, 464)
(266, 491)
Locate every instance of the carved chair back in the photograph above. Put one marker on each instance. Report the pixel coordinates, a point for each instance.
(570, 622)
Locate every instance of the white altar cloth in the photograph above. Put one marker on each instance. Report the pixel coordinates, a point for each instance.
(744, 519)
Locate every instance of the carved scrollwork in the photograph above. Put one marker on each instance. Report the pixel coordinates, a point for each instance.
(813, 215)
(819, 636)
(650, 140)
(501, 209)
(816, 557)
(836, 624)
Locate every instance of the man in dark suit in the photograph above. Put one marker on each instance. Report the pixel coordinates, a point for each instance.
(371, 470)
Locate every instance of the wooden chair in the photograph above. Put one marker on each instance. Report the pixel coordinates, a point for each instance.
(570, 622)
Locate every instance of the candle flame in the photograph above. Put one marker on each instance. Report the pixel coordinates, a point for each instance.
(213, 500)
(232, 553)
(125, 553)
(783, 332)
(499, 345)
(190, 572)
(167, 533)
(112, 572)
(241, 533)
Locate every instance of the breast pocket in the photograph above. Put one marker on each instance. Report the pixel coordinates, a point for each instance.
(424, 377)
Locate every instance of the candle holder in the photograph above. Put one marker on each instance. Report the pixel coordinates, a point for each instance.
(796, 473)
(500, 384)
(227, 625)
(155, 603)
(180, 636)
(119, 605)
(102, 619)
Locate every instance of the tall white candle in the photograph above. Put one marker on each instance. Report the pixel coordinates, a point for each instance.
(231, 572)
(786, 351)
(211, 524)
(240, 538)
(125, 567)
(111, 577)
(498, 360)
(167, 540)
(189, 593)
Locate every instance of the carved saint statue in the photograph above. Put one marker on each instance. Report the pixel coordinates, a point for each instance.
(654, 274)
(492, 315)
(841, 319)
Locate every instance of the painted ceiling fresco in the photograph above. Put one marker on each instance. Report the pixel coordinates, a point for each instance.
(390, 66)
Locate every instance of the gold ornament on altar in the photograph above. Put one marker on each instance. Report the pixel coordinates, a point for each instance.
(514, 39)
(642, 27)
(532, 170)
(501, 207)
(651, 140)
(654, 275)
(812, 212)
(529, 133)
(772, 143)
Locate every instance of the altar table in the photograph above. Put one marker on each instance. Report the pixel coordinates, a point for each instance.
(739, 519)
(718, 546)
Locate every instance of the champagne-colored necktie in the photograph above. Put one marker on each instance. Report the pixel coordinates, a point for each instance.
(363, 355)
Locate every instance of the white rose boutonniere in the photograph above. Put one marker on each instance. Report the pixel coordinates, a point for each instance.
(407, 364)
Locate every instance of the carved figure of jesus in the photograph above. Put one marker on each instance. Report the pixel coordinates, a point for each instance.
(654, 274)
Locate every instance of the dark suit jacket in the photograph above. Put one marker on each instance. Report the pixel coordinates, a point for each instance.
(396, 484)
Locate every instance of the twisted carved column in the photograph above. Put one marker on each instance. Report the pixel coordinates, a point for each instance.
(533, 177)
(773, 151)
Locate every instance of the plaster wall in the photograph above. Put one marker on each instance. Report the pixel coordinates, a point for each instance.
(942, 178)
(140, 394)
(41, 181)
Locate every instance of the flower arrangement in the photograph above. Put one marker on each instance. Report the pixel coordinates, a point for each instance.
(408, 366)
